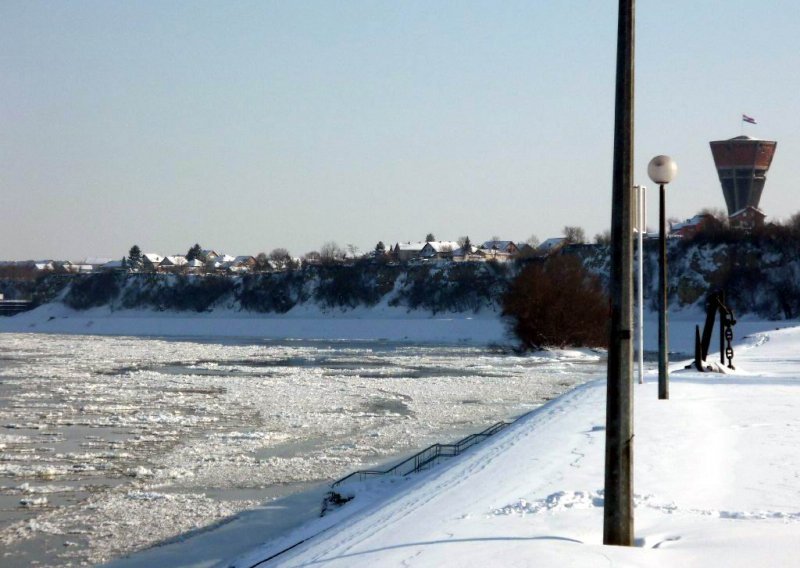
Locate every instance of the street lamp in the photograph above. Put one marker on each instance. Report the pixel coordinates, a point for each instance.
(662, 170)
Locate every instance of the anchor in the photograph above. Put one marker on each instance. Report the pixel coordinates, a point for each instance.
(715, 304)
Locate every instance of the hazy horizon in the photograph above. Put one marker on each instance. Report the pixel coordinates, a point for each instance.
(247, 126)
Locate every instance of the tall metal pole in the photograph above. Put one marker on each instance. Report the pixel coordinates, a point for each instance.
(618, 508)
(663, 334)
(641, 223)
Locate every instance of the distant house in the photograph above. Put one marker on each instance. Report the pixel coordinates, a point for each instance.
(244, 263)
(438, 250)
(96, 262)
(551, 246)
(173, 264)
(150, 261)
(209, 254)
(469, 254)
(691, 227)
(747, 219)
(112, 266)
(195, 266)
(407, 251)
(498, 250)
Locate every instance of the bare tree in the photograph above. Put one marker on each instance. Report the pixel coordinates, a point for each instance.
(331, 252)
(574, 235)
(262, 263)
(280, 257)
(352, 250)
(533, 241)
(603, 238)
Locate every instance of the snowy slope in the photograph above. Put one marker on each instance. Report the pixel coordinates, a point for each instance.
(716, 484)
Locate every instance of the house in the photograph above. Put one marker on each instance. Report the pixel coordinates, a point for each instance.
(407, 251)
(691, 227)
(96, 262)
(438, 250)
(173, 264)
(498, 250)
(551, 246)
(209, 254)
(507, 247)
(244, 263)
(150, 261)
(195, 266)
(747, 219)
(112, 266)
(468, 254)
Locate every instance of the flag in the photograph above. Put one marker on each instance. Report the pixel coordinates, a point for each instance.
(748, 119)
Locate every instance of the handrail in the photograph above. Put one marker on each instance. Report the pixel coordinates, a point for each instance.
(426, 456)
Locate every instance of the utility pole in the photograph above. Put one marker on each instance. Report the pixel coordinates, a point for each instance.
(618, 509)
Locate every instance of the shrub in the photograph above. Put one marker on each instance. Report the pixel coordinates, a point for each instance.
(93, 290)
(557, 303)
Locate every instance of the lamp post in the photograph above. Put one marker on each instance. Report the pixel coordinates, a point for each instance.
(640, 226)
(662, 170)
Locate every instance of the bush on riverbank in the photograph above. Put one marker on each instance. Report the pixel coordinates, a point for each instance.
(557, 303)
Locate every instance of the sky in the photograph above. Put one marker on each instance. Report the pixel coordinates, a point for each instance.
(246, 126)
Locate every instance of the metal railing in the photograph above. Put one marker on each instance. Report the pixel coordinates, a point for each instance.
(12, 307)
(428, 456)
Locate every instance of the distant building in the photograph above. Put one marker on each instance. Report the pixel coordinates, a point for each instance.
(747, 219)
(690, 227)
(742, 164)
(438, 249)
(407, 251)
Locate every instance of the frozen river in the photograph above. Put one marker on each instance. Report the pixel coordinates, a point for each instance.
(112, 444)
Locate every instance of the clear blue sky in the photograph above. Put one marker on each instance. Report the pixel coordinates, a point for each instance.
(247, 126)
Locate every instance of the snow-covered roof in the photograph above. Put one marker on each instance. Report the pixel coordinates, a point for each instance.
(410, 247)
(195, 263)
(550, 244)
(502, 246)
(441, 246)
(693, 222)
(176, 260)
(111, 264)
(97, 260)
(152, 257)
(749, 207)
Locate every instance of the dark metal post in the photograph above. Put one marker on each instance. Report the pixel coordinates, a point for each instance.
(618, 508)
(663, 325)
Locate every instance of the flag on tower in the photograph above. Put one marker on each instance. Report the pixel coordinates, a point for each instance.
(749, 119)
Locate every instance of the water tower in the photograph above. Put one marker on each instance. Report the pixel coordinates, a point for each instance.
(742, 165)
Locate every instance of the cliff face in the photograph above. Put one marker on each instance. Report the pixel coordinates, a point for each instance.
(760, 275)
(469, 287)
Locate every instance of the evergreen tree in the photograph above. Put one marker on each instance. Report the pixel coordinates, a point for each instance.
(195, 252)
(467, 246)
(430, 238)
(380, 248)
(135, 258)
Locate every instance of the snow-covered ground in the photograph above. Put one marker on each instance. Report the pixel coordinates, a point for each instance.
(382, 322)
(717, 483)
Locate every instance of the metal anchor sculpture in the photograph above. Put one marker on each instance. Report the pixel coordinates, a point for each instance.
(714, 304)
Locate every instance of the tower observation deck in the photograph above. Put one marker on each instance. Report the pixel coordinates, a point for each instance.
(742, 165)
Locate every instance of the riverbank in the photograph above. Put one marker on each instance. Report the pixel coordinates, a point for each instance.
(309, 323)
(302, 323)
(715, 483)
